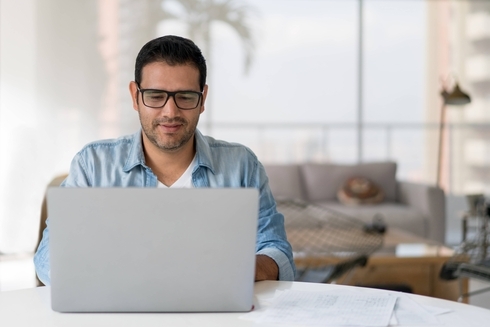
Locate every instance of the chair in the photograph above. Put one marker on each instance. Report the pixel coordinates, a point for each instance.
(326, 244)
(44, 213)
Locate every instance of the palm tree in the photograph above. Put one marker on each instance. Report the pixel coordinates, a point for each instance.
(199, 15)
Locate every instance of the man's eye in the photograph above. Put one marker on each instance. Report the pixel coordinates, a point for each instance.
(186, 97)
(155, 95)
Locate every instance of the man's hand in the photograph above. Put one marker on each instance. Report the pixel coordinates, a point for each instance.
(265, 268)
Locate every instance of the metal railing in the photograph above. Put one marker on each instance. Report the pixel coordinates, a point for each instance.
(412, 145)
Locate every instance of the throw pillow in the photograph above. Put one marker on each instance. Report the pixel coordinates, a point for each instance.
(359, 190)
(323, 180)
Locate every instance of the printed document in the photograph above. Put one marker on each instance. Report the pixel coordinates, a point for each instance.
(329, 309)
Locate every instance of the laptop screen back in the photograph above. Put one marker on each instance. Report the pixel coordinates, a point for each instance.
(152, 250)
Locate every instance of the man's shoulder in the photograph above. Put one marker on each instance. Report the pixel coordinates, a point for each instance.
(217, 146)
(121, 143)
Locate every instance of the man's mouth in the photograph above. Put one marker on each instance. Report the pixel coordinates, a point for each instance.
(170, 128)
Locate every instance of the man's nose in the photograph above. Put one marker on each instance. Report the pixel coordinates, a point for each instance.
(170, 109)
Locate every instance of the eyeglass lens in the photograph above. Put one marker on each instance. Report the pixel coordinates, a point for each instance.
(183, 100)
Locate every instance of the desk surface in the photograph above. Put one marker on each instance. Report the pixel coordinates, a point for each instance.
(31, 307)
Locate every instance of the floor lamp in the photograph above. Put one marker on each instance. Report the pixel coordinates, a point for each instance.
(456, 98)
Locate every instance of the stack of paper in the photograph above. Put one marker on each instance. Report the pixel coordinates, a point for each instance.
(340, 308)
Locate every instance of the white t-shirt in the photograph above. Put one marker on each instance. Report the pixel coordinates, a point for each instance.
(185, 180)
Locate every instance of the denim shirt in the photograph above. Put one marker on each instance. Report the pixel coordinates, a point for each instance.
(121, 163)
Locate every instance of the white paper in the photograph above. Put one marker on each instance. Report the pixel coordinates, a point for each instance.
(329, 309)
(409, 313)
(436, 310)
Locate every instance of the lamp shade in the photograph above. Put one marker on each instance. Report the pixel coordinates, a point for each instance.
(456, 97)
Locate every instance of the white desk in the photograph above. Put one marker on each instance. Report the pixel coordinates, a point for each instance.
(31, 307)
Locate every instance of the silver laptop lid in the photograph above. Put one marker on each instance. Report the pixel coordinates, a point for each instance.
(152, 250)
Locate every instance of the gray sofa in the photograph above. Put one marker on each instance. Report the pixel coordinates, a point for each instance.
(413, 207)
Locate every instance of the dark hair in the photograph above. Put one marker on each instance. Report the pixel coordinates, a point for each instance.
(174, 50)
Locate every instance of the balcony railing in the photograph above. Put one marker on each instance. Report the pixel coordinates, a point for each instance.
(412, 145)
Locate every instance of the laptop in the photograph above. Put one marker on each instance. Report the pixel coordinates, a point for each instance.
(152, 250)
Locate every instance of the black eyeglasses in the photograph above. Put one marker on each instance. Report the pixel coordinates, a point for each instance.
(185, 100)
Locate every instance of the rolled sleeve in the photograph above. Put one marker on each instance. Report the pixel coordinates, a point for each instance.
(286, 271)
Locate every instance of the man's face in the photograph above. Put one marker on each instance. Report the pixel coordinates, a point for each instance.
(169, 128)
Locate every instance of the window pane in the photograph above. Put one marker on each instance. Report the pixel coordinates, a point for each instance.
(303, 66)
(394, 60)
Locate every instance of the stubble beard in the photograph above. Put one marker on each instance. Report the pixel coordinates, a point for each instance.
(172, 145)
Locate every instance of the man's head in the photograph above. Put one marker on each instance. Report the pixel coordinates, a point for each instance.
(169, 93)
(173, 50)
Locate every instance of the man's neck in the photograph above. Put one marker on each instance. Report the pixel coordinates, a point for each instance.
(168, 166)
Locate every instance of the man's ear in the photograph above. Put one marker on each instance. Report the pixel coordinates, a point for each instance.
(204, 96)
(133, 90)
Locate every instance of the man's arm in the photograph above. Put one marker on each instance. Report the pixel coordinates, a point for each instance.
(41, 258)
(76, 178)
(271, 236)
(265, 268)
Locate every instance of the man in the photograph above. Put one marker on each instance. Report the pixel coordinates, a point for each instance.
(169, 92)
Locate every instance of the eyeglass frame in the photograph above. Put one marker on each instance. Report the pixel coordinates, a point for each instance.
(169, 95)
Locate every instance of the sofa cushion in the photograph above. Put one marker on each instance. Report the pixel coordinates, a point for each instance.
(394, 215)
(321, 181)
(285, 181)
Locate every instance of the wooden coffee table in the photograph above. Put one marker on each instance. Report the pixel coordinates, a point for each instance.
(403, 260)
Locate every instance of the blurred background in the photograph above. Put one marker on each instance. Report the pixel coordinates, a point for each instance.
(295, 80)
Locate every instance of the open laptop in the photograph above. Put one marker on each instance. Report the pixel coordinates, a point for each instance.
(151, 249)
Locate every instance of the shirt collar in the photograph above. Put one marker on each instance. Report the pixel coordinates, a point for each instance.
(137, 157)
(203, 152)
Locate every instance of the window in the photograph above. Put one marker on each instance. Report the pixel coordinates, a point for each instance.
(65, 68)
